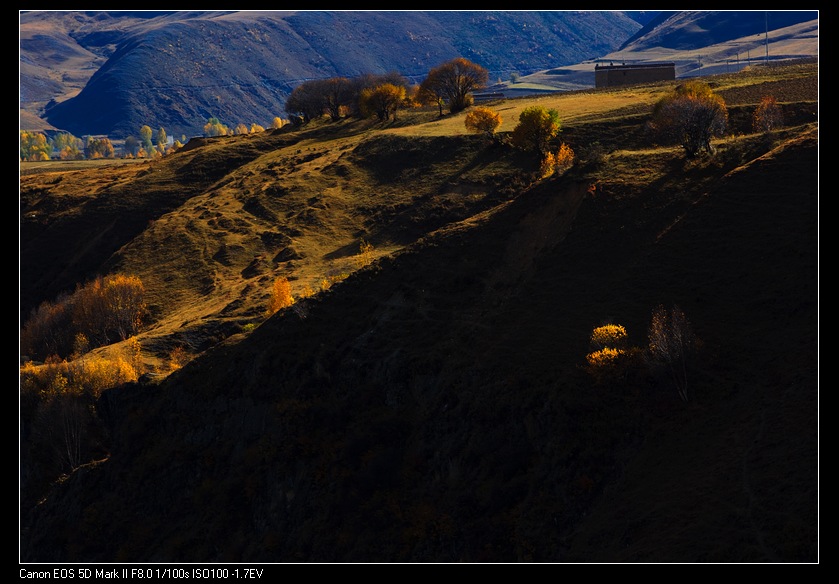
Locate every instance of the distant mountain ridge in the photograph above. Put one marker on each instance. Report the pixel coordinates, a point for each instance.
(694, 29)
(111, 72)
(177, 69)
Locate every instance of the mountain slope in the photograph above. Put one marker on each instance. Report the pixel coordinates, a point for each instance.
(178, 70)
(698, 43)
(415, 415)
(433, 406)
(693, 30)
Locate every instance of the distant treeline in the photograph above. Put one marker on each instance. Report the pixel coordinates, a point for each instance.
(450, 84)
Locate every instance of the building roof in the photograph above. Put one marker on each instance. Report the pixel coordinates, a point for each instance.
(639, 66)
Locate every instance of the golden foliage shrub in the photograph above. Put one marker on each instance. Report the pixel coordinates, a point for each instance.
(608, 335)
(557, 162)
(610, 358)
(87, 375)
(482, 120)
(280, 295)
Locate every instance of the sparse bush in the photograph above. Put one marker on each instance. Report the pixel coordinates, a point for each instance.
(365, 254)
(592, 153)
(767, 116)
(178, 357)
(326, 283)
(608, 335)
(671, 344)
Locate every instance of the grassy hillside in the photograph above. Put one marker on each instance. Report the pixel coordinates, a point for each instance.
(433, 406)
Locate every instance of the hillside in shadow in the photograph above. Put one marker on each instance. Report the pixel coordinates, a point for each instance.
(435, 405)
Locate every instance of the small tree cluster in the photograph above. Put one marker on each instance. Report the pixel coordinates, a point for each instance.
(671, 343)
(68, 146)
(340, 97)
(34, 146)
(103, 311)
(100, 147)
(214, 127)
(60, 428)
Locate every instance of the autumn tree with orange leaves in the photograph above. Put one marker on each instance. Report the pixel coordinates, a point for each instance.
(104, 310)
(454, 81)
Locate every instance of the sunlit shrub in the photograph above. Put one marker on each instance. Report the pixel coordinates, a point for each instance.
(482, 120)
(610, 357)
(88, 375)
(280, 295)
(365, 255)
(608, 335)
(557, 162)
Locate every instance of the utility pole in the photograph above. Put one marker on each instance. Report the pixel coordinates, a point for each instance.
(766, 24)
